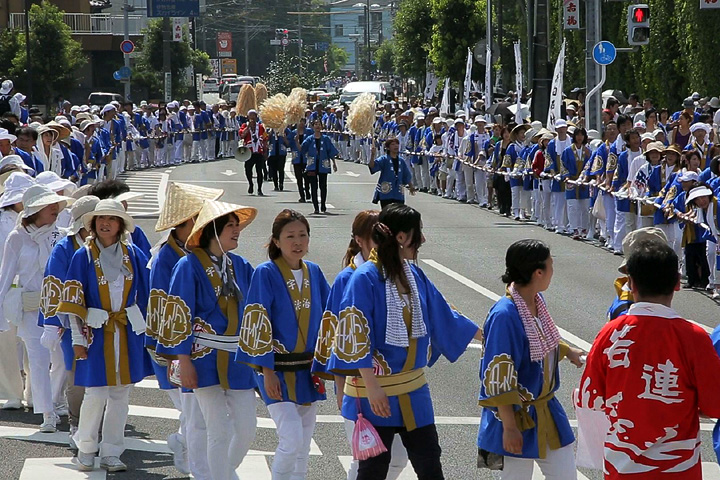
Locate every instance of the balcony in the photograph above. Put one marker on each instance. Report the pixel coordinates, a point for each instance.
(91, 23)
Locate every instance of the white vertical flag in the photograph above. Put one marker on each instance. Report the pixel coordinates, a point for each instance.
(518, 83)
(431, 82)
(445, 104)
(488, 78)
(556, 90)
(468, 83)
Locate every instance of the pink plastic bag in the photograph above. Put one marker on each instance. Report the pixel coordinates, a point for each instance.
(366, 442)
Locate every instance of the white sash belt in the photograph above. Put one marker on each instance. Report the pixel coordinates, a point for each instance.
(227, 343)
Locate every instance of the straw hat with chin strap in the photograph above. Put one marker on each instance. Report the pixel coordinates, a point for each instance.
(182, 202)
(212, 210)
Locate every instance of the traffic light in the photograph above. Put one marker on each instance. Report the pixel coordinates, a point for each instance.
(281, 31)
(638, 21)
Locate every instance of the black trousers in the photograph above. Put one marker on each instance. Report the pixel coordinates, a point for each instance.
(503, 192)
(258, 161)
(217, 145)
(696, 264)
(423, 450)
(385, 203)
(302, 180)
(321, 179)
(276, 165)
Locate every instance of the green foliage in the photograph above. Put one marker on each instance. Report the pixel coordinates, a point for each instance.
(413, 30)
(55, 56)
(457, 26)
(149, 68)
(284, 74)
(384, 56)
(9, 47)
(337, 58)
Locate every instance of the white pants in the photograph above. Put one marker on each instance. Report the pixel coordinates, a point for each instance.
(398, 458)
(121, 161)
(196, 154)
(160, 155)
(151, 152)
(469, 180)
(557, 465)
(132, 158)
(515, 196)
(11, 384)
(228, 440)
(619, 229)
(537, 207)
(526, 200)
(421, 174)
(195, 437)
(39, 363)
(144, 157)
(610, 212)
(559, 214)
(578, 213)
(58, 375)
(674, 236)
(114, 400)
(481, 190)
(208, 148)
(295, 426)
(450, 185)
(460, 188)
(178, 151)
(546, 203)
(711, 253)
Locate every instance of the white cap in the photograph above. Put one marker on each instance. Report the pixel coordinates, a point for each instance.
(107, 108)
(688, 176)
(6, 87)
(479, 118)
(593, 134)
(560, 123)
(701, 191)
(647, 136)
(694, 128)
(640, 124)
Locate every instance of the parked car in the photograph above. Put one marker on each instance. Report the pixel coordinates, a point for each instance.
(211, 85)
(103, 98)
(381, 90)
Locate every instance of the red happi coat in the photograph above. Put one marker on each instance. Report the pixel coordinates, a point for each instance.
(652, 372)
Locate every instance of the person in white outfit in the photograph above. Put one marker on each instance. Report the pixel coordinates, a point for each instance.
(25, 255)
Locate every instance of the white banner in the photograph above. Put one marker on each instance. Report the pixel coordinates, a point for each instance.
(556, 90)
(518, 83)
(431, 83)
(709, 4)
(445, 104)
(177, 24)
(571, 15)
(488, 78)
(468, 83)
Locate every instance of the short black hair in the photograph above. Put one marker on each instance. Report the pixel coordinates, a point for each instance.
(653, 268)
(27, 131)
(8, 125)
(108, 189)
(622, 120)
(523, 258)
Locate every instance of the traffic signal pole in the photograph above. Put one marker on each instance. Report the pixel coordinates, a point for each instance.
(593, 34)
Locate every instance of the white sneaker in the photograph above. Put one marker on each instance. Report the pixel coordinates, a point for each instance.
(180, 457)
(15, 404)
(84, 461)
(49, 424)
(61, 410)
(112, 464)
(71, 440)
(716, 294)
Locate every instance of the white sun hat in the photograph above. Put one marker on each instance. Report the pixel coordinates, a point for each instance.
(38, 197)
(15, 186)
(112, 207)
(53, 181)
(14, 160)
(5, 135)
(81, 207)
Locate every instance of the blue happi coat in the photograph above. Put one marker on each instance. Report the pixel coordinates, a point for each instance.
(196, 306)
(319, 162)
(86, 287)
(282, 319)
(509, 377)
(391, 184)
(572, 169)
(296, 144)
(359, 342)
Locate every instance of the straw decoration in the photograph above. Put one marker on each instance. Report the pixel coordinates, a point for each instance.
(272, 112)
(296, 106)
(261, 94)
(361, 115)
(246, 100)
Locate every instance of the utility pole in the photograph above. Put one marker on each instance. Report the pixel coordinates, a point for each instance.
(247, 44)
(167, 67)
(530, 6)
(300, 45)
(541, 80)
(593, 35)
(367, 38)
(28, 63)
(126, 28)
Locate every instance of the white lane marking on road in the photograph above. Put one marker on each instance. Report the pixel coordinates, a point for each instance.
(62, 468)
(289, 172)
(330, 205)
(229, 173)
(537, 474)
(351, 174)
(255, 467)
(710, 471)
(407, 474)
(574, 339)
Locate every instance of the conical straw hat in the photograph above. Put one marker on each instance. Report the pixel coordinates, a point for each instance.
(211, 210)
(183, 201)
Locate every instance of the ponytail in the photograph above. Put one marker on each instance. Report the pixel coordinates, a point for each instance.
(396, 218)
(362, 227)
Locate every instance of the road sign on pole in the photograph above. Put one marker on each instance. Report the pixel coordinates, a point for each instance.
(275, 41)
(604, 53)
(124, 72)
(284, 42)
(127, 47)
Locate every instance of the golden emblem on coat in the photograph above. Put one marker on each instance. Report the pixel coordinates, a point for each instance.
(156, 307)
(73, 293)
(352, 336)
(611, 162)
(326, 335)
(256, 331)
(176, 324)
(201, 326)
(50, 295)
(500, 376)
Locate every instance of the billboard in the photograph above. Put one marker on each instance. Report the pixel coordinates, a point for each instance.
(228, 65)
(173, 8)
(224, 44)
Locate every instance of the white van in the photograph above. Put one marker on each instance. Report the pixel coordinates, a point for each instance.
(381, 90)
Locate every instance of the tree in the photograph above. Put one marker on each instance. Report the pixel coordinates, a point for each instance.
(384, 56)
(457, 26)
(55, 57)
(337, 58)
(413, 32)
(149, 68)
(9, 47)
(284, 74)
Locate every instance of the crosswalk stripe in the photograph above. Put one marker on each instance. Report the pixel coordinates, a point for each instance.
(37, 468)
(407, 474)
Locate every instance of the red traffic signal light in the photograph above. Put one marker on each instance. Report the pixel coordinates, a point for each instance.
(640, 14)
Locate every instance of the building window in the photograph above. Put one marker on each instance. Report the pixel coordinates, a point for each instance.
(339, 30)
(375, 22)
(361, 21)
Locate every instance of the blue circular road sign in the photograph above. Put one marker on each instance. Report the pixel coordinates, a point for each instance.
(124, 72)
(604, 53)
(116, 75)
(126, 46)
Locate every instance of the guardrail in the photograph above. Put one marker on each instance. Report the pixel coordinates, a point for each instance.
(91, 23)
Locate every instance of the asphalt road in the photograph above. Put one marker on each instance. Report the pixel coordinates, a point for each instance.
(463, 255)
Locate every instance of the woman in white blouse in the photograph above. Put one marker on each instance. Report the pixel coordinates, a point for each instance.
(26, 252)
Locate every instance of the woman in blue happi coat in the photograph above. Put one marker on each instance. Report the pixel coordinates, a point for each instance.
(105, 294)
(320, 152)
(199, 328)
(296, 137)
(285, 305)
(389, 315)
(57, 333)
(521, 418)
(395, 174)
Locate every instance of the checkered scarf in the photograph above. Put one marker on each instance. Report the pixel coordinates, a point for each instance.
(544, 337)
(396, 333)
